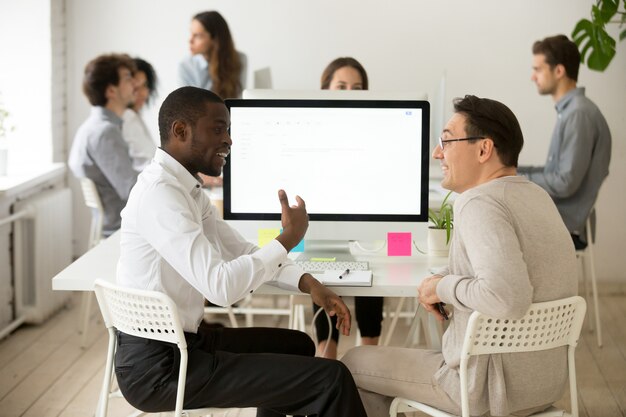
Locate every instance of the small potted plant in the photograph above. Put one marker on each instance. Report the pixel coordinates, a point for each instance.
(440, 232)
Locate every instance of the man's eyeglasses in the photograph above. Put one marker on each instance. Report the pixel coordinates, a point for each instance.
(442, 142)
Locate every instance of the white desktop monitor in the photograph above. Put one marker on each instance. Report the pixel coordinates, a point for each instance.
(360, 165)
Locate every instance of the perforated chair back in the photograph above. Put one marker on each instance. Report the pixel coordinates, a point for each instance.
(545, 326)
(147, 314)
(92, 201)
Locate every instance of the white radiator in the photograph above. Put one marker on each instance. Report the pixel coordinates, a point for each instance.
(42, 247)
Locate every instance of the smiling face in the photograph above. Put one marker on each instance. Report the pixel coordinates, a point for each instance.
(346, 78)
(210, 141)
(458, 160)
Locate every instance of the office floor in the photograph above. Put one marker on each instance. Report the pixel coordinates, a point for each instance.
(45, 373)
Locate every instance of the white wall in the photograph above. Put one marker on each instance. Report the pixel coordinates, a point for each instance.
(483, 46)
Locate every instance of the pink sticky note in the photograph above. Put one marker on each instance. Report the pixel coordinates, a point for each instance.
(399, 244)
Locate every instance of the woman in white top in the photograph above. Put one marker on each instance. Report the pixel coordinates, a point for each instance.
(141, 146)
(214, 63)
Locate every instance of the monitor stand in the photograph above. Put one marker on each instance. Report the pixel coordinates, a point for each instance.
(332, 250)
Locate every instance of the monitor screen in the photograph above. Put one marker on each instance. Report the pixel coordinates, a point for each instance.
(352, 161)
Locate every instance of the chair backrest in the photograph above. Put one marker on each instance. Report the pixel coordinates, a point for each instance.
(92, 200)
(147, 314)
(545, 326)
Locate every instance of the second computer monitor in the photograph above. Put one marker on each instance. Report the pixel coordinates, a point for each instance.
(361, 166)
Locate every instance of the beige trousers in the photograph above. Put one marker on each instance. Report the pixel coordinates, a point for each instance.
(383, 372)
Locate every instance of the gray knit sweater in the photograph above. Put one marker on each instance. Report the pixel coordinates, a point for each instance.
(510, 248)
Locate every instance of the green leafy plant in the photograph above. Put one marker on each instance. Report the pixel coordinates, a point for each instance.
(596, 46)
(442, 217)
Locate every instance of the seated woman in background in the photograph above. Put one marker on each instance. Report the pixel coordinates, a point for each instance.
(214, 64)
(344, 74)
(141, 145)
(349, 74)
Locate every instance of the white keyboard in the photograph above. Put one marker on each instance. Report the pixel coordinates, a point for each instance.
(320, 266)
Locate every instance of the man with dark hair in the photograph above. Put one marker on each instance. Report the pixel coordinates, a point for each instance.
(173, 241)
(99, 151)
(580, 150)
(503, 257)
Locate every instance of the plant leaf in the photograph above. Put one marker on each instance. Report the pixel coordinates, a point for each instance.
(622, 35)
(604, 11)
(596, 46)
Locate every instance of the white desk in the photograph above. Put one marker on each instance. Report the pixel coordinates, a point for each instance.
(392, 276)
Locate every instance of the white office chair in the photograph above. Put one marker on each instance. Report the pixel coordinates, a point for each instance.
(587, 264)
(147, 314)
(93, 202)
(545, 326)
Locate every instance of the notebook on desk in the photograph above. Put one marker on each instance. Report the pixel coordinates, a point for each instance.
(331, 278)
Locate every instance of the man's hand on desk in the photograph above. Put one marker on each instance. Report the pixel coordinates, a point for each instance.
(427, 296)
(328, 300)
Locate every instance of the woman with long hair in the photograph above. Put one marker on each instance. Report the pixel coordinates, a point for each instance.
(214, 63)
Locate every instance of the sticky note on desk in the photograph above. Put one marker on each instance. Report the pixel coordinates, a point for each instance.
(265, 236)
(399, 244)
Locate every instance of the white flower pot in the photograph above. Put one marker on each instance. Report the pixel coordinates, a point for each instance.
(437, 245)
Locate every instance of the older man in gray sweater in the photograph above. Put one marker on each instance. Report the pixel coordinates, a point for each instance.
(510, 249)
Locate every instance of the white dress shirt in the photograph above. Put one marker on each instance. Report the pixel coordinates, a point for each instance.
(173, 241)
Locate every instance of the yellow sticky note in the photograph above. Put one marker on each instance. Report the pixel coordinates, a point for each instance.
(267, 235)
(323, 259)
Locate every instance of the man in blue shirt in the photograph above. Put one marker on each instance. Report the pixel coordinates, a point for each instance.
(580, 150)
(99, 151)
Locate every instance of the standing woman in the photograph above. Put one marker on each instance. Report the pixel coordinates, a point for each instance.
(214, 63)
(141, 145)
(348, 74)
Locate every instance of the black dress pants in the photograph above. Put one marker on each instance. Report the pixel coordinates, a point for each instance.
(271, 369)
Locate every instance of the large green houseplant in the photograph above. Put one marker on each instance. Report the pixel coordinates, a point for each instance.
(597, 47)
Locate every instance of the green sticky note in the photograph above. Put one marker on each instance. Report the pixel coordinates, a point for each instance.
(266, 236)
(323, 259)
